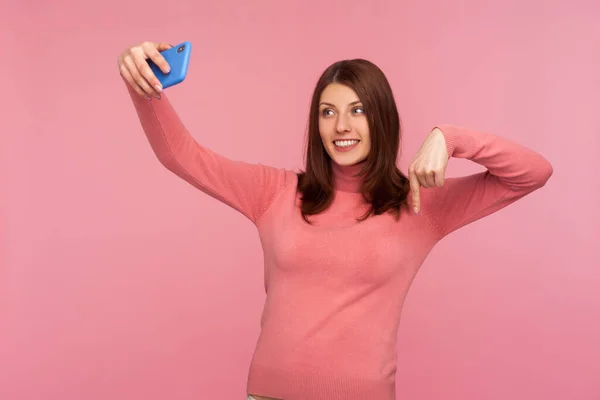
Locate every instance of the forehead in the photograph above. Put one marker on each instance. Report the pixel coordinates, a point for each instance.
(336, 93)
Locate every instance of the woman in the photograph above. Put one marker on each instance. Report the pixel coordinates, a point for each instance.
(344, 239)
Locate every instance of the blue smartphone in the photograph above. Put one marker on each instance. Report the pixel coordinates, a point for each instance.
(178, 58)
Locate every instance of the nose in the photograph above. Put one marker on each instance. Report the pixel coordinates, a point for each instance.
(343, 124)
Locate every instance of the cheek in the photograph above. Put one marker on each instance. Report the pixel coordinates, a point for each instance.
(324, 130)
(324, 141)
(365, 133)
(322, 133)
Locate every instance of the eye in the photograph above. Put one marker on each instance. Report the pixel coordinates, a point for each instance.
(359, 110)
(327, 111)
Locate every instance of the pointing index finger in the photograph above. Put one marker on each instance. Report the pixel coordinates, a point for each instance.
(414, 188)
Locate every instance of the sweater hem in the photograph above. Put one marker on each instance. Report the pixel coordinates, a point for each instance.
(312, 384)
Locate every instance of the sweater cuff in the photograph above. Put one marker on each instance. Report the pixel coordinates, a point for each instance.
(458, 141)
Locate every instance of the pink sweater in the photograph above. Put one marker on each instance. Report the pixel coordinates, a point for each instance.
(335, 290)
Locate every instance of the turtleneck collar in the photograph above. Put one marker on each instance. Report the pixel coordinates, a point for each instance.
(344, 178)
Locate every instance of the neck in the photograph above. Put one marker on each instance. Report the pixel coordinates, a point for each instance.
(344, 177)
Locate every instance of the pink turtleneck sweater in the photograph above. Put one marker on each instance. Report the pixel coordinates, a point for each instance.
(335, 290)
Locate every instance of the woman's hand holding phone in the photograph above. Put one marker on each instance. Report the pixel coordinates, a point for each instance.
(137, 72)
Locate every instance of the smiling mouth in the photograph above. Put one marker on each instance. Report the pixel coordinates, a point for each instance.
(345, 143)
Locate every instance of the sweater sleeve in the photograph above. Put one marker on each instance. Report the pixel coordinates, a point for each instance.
(247, 188)
(513, 171)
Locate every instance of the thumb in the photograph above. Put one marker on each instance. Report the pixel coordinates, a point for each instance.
(416, 196)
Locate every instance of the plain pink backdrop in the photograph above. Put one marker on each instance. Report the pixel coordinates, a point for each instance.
(119, 281)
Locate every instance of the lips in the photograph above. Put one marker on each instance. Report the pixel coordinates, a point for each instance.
(346, 144)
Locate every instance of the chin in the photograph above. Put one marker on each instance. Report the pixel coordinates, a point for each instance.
(346, 163)
(348, 160)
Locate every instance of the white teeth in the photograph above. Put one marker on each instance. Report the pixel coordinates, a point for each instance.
(345, 143)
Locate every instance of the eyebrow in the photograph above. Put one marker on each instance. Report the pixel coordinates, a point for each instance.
(331, 105)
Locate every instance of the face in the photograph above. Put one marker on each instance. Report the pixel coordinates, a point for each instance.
(343, 125)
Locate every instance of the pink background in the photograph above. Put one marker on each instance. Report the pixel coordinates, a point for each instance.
(119, 281)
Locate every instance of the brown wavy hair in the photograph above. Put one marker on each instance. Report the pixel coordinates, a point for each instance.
(383, 184)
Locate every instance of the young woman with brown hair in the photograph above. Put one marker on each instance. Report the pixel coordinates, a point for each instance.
(344, 238)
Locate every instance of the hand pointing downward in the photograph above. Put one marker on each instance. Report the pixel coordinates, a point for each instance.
(428, 167)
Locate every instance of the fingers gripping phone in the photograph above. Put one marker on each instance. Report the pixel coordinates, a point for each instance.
(178, 58)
